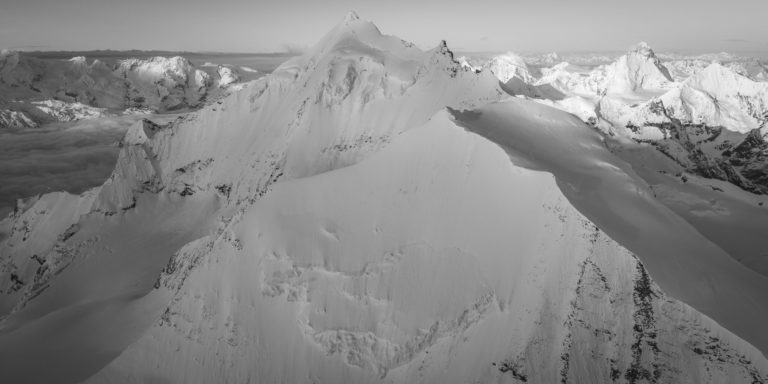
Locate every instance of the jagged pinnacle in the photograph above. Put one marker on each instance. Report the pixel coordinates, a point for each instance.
(351, 16)
(443, 49)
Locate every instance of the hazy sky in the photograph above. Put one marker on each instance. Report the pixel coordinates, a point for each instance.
(483, 25)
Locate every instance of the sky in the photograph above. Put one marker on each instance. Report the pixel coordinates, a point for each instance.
(480, 25)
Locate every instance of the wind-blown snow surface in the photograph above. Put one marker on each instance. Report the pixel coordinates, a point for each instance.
(415, 265)
(332, 222)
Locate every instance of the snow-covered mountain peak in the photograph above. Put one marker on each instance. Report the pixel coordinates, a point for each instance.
(508, 66)
(79, 60)
(642, 48)
(717, 83)
(352, 34)
(715, 96)
(718, 96)
(323, 110)
(140, 132)
(443, 47)
(362, 45)
(351, 16)
(638, 70)
(158, 66)
(717, 76)
(443, 50)
(468, 65)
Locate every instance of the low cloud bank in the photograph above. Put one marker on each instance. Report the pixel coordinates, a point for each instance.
(71, 157)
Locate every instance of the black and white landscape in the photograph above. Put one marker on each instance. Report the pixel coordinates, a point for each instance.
(368, 211)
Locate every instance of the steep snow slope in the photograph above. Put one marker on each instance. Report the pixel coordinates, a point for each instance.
(637, 71)
(607, 190)
(680, 70)
(415, 266)
(508, 66)
(719, 97)
(576, 80)
(466, 62)
(732, 218)
(516, 78)
(634, 75)
(325, 110)
(752, 68)
(88, 297)
(311, 232)
(714, 97)
(683, 66)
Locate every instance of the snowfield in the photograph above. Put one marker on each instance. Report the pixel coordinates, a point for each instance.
(374, 213)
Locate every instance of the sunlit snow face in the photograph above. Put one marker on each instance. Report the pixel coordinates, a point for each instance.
(72, 157)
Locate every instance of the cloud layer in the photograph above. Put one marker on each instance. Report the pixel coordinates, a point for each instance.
(61, 157)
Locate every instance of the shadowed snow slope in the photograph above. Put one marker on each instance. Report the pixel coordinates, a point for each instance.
(332, 223)
(687, 265)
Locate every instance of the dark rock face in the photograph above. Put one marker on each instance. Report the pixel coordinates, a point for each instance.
(751, 158)
(744, 164)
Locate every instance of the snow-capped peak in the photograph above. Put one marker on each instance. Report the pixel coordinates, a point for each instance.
(721, 82)
(718, 96)
(508, 66)
(353, 37)
(158, 66)
(638, 70)
(81, 60)
(351, 16)
(551, 58)
(718, 72)
(466, 64)
(442, 48)
(644, 49)
(351, 29)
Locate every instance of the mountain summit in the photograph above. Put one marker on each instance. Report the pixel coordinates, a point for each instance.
(351, 16)
(642, 48)
(637, 71)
